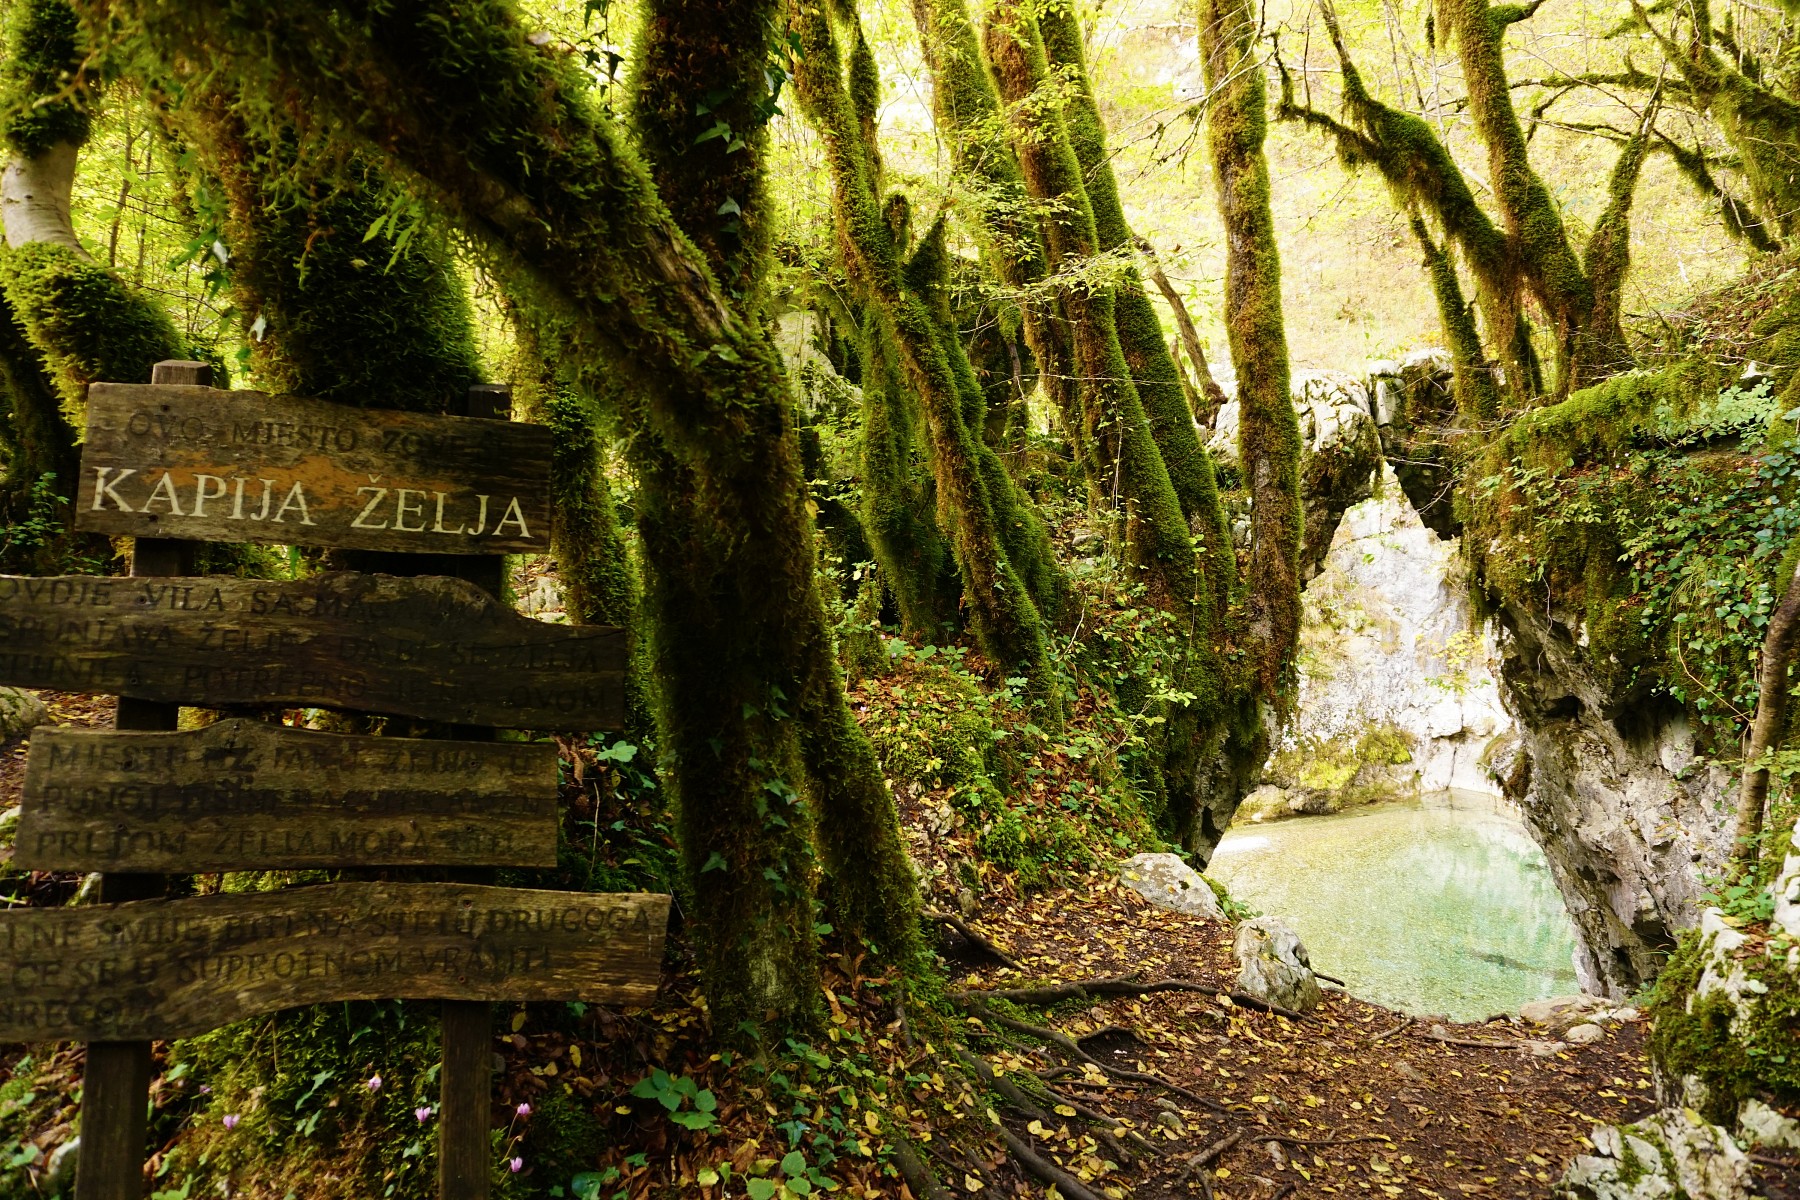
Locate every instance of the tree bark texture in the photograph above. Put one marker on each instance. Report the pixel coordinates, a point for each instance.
(1268, 431)
(1769, 725)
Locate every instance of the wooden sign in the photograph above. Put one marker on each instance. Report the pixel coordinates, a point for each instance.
(435, 648)
(247, 796)
(193, 462)
(173, 968)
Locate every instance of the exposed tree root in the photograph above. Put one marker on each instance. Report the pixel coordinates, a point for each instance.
(1388, 1033)
(919, 1177)
(1068, 1045)
(980, 941)
(1043, 1170)
(1211, 1152)
(1084, 989)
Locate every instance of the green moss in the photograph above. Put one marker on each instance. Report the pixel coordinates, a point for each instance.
(702, 97)
(1003, 617)
(1736, 1058)
(1140, 331)
(84, 322)
(47, 87)
(1023, 535)
(898, 509)
(1269, 444)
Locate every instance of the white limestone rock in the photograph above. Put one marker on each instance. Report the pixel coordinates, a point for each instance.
(1559, 1014)
(1168, 883)
(19, 712)
(1672, 1154)
(1273, 965)
(1761, 1125)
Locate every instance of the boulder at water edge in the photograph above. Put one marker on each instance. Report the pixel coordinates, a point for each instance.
(19, 711)
(1274, 966)
(1168, 883)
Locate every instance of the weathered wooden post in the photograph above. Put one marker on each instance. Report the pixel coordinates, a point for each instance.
(116, 1085)
(465, 1080)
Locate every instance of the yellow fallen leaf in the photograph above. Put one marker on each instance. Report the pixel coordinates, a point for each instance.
(971, 1184)
(518, 1021)
(1063, 1110)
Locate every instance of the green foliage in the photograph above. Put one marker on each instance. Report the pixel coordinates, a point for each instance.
(687, 1104)
(1619, 506)
(300, 1088)
(42, 529)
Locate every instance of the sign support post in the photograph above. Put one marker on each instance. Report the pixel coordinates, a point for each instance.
(116, 1086)
(466, 1027)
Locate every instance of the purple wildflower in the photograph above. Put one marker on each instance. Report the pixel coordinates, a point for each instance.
(231, 1120)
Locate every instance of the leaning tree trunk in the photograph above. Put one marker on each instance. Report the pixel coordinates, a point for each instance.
(1115, 426)
(1211, 394)
(1533, 222)
(967, 110)
(505, 135)
(1134, 317)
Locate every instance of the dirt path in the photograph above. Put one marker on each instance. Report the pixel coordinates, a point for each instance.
(1428, 1118)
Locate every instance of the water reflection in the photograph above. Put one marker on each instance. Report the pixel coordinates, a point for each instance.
(1441, 905)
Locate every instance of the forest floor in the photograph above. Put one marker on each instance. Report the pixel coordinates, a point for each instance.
(1356, 1100)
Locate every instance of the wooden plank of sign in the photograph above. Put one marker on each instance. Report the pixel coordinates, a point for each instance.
(174, 968)
(194, 462)
(435, 648)
(247, 796)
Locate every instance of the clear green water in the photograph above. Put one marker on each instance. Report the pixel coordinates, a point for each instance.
(1441, 905)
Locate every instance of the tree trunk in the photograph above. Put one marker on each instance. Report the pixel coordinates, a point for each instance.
(1769, 725)
(1268, 431)
(870, 891)
(504, 136)
(1212, 394)
(1005, 620)
(1114, 424)
(1533, 222)
(967, 111)
(898, 511)
(1140, 332)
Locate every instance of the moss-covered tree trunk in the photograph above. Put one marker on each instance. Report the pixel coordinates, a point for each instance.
(1533, 222)
(1133, 474)
(1761, 125)
(1004, 617)
(1209, 397)
(1140, 333)
(968, 115)
(1268, 432)
(505, 136)
(727, 45)
(899, 508)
